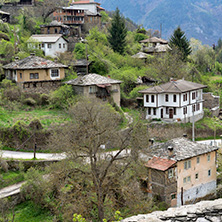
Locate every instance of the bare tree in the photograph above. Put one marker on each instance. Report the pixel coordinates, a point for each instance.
(96, 125)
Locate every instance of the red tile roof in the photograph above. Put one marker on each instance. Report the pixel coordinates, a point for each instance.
(160, 163)
(84, 2)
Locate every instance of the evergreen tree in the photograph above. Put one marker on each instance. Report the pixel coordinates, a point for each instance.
(180, 41)
(117, 33)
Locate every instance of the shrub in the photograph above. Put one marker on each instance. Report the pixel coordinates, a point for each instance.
(135, 92)
(29, 101)
(44, 99)
(63, 97)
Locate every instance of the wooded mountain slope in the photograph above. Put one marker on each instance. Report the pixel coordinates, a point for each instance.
(200, 19)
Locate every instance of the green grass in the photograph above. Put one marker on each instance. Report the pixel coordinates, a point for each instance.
(29, 212)
(10, 178)
(48, 118)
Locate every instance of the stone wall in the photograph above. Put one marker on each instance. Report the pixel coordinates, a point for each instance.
(212, 103)
(39, 87)
(204, 211)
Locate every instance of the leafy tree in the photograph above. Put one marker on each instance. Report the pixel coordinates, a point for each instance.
(117, 33)
(100, 179)
(179, 40)
(80, 51)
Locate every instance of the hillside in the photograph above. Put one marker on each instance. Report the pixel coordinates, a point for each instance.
(198, 18)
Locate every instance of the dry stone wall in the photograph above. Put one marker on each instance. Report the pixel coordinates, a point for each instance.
(204, 211)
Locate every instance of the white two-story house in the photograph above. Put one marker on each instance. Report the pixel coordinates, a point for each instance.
(51, 44)
(178, 100)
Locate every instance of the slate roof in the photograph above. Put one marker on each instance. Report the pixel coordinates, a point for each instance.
(55, 23)
(4, 13)
(178, 86)
(154, 40)
(48, 38)
(33, 62)
(182, 149)
(160, 163)
(140, 55)
(92, 79)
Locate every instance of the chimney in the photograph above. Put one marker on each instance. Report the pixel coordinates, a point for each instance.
(170, 151)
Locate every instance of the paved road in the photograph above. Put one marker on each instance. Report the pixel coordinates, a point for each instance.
(27, 155)
(11, 190)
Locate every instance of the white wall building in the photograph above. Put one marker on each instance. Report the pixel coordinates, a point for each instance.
(176, 100)
(90, 5)
(51, 44)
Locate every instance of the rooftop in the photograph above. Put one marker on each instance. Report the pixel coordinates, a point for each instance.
(178, 86)
(92, 79)
(160, 164)
(182, 149)
(154, 40)
(33, 62)
(85, 2)
(51, 38)
(140, 55)
(55, 23)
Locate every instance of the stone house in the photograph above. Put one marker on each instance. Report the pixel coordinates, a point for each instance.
(154, 46)
(51, 44)
(181, 171)
(96, 86)
(177, 100)
(35, 74)
(55, 27)
(84, 14)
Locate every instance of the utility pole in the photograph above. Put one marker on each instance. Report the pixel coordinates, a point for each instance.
(193, 135)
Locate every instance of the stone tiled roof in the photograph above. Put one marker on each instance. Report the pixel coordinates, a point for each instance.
(140, 55)
(92, 79)
(33, 62)
(182, 149)
(48, 38)
(154, 40)
(160, 163)
(178, 86)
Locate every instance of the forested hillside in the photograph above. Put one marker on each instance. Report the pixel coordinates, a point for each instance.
(199, 19)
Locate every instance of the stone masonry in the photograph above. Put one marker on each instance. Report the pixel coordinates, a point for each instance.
(204, 211)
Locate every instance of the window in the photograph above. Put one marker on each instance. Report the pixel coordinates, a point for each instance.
(187, 179)
(92, 89)
(175, 111)
(170, 173)
(198, 159)
(43, 45)
(64, 45)
(208, 157)
(149, 111)
(60, 45)
(56, 31)
(194, 107)
(152, 99)
(20, 75)
(185, 97)
(198, 106)
(196, 176)
(173, 196)
(167, 110)
(54, 73)
(154, 111)
(34, 75)
(147, 98)
(49, 45)
(193, 95)
(209, 173)
(187, 164)
(185, 110)
(166, 97)
(174, 98)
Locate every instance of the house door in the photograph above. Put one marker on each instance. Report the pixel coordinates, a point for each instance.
(171, 113)
(161, 113)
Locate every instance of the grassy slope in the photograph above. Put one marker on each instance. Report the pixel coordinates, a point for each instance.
(48, 118)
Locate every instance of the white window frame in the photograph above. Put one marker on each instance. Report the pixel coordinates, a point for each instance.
(52, 74)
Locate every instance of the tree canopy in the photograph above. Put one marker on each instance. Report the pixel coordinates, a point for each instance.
(117, 33)
(180, 41)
